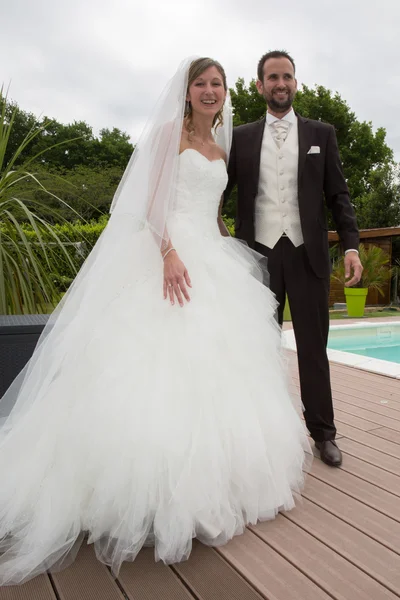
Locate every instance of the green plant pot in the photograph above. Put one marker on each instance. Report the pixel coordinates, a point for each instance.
(355, 300)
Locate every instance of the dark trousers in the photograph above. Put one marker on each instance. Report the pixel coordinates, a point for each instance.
(291, 274)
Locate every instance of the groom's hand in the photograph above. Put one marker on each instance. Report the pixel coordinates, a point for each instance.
(352, 266)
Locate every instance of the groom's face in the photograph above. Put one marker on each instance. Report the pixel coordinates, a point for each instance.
(279, 85)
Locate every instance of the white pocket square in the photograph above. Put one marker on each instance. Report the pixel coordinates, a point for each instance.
(314, 150)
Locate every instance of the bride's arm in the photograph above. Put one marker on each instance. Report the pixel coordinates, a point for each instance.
(176, 276)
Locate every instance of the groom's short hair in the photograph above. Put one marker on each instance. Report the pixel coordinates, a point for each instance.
(272, 54)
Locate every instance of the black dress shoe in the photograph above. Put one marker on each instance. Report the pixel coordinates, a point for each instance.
(330, 453)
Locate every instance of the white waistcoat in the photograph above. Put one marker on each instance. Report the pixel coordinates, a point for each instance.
(277, 206)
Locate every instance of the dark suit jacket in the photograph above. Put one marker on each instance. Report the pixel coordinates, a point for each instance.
(320, 179)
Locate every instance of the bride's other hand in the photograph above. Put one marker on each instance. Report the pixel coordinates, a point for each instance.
(176, 278)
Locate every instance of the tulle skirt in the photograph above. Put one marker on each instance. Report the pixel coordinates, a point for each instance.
(138, 422)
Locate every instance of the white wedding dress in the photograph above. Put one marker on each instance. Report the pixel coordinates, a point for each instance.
(154, 423)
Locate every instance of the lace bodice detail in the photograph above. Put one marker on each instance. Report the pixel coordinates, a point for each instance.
(200, 185)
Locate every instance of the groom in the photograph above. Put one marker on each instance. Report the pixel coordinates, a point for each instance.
(284, 167)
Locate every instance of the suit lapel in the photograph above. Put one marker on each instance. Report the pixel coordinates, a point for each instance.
(304, 132)
(256, 150)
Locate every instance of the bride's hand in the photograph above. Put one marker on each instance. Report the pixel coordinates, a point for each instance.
(176, 278)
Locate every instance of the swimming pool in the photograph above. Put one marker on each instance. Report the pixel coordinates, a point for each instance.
(370, 346)
(376, 340)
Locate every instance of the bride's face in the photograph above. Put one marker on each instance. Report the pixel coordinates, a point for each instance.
(207, 92)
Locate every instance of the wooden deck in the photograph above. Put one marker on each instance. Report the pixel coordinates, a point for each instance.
(342, 541)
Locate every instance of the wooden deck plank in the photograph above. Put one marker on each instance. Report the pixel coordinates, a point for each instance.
(353, 545)
(353, 420)
(363, 378)
(334, 574)
(340, 371)
(386, 484)
(387, 434)
(355, 381)
(39, 588)
(381, 405)
(375, 383)
(367, 483)
(145, 579)
(374, 418)
(361, 390)
(86, 579)
(372, 456)
(352, 510)
(212, 578)
(268, 571)
(369, 439)
(355, 416)
(343, 417)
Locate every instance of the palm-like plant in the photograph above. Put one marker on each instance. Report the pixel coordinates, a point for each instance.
(376, 271)
(396, 281)
(28, 270)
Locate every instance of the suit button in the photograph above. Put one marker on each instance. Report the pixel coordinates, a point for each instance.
(280, 156)
(282, 187)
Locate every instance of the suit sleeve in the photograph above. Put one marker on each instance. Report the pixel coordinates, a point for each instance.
(337, 195)
(231, 170)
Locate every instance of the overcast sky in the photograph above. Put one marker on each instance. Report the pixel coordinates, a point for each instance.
(106, 62)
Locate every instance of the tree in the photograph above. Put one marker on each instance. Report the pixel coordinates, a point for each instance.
(248, 104)
(80, 147)
(112, 149)
(367, 159)
(380, 206)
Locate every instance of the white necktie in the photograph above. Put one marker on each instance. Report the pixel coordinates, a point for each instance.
(280, 131)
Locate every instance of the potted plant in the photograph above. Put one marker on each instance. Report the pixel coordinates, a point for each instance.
(376, 272)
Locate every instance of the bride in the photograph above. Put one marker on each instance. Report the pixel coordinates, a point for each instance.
(155, 408)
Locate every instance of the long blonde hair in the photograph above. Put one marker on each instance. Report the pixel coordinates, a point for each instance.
(196, 69)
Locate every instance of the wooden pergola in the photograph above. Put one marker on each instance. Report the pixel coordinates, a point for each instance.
(381, 237)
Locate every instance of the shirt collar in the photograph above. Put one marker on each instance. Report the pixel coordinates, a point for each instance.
(290, 117)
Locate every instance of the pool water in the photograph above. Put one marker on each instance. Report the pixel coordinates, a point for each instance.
(382, 342)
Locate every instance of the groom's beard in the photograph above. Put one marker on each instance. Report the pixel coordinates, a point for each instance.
(280, 105)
